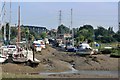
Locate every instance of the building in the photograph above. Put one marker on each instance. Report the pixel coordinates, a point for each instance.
(38, 29)
(63, 38)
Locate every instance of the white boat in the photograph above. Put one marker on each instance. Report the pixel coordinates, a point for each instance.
(42, 44)
(84, 48)
(4, 49)
(37, 46)
(3, 57)
(11, 48)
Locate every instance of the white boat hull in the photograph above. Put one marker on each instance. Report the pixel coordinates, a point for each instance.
(2, 60)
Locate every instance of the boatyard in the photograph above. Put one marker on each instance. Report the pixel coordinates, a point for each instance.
(68, 51)
(54, 62)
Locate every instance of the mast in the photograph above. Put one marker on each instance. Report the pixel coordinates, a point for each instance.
(72, 28)
(19, 38)
(10, 23)
(4, 23)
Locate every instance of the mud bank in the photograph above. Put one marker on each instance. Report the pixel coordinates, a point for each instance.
(62, 63)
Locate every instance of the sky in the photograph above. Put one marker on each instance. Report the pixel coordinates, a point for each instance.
(47, 13)
(61, 0)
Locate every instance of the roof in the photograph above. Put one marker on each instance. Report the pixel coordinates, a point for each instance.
(35, 26)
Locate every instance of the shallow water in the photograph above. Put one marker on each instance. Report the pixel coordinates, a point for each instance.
(90, 72)
(112, 73)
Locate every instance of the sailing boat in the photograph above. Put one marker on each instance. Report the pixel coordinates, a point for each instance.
(23, 55)
(3, 50)
(70, 46)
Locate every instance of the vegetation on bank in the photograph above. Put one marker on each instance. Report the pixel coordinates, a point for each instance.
(115, 52)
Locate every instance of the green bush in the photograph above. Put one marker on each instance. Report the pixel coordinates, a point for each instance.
(106, 51)
(115, 53)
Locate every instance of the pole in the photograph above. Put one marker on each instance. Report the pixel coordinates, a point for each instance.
(33, 49)
(19, 38)
(60, 17)
(59, 21)
(72, 29)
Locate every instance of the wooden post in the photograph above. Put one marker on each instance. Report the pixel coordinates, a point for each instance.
(33, 53)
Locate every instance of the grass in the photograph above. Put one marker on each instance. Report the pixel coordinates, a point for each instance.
(11, 75)
(115, 53)
(105, 45)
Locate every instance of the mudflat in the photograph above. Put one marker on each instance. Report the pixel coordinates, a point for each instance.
(54, 60)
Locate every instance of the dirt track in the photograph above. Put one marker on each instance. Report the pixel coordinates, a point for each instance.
(52, 60)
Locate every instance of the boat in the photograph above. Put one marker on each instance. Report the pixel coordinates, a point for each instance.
(84, 48)
(71, 48)
(24, 56)
(37, 46)
(42, 44)
(70, 45)
(11, 48)
(3, 56)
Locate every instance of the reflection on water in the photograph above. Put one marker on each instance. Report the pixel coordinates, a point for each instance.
(112, 73)
(89, 72)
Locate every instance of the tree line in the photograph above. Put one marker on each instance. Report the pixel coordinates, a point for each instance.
(84, 32)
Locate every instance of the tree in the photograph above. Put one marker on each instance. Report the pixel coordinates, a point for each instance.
(63, 29)
(85, 32)
(110, 31)
(43, 35)
(79, 39)
(100, 31)
(23, 33)
(104, 35)
(117, 36)
(13, 32)
(75, 30)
